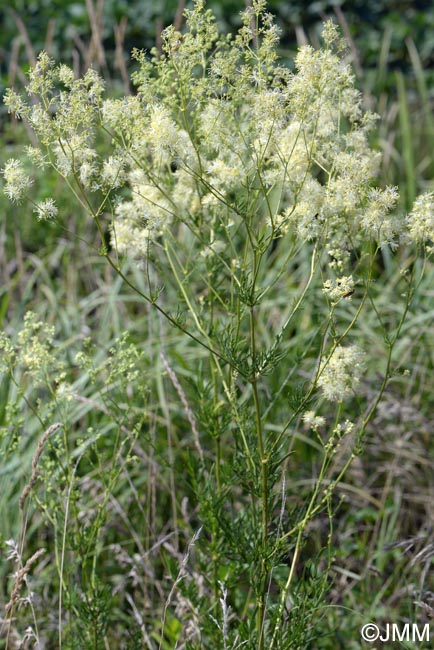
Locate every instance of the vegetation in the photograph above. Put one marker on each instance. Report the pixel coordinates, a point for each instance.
(217, 358)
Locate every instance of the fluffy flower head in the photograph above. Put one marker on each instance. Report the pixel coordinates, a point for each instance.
(340, 374)
(340, 288)
(46, 210)
(420, 221)
(17, 181)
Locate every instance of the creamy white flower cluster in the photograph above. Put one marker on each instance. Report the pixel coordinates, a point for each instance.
(313, 421)
(17, 182)
(220, 133)
(339, 375)
(33, 352)
(46, 210)
(420, 221)
(142, 218)
(340, 288)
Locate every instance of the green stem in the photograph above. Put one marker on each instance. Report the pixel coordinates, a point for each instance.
(264, 468)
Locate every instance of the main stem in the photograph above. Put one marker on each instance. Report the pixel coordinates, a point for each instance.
(264, 486)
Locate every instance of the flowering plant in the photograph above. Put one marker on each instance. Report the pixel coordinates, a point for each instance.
(244, 195)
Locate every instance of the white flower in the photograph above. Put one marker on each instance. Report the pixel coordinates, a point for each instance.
(340, 288)
(163, 132)
(340, 374)
(17, 181)
(113, 172)
(420, 221)
(343, 429)
(313, 421)
(46, 210)
(375, 218)
(129, 239)
(36, 157)
(224, 176)
(87, 171)
(65, 74)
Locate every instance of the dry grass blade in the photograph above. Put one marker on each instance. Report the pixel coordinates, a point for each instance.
(35, 462)
(179, 577)
(20, 578)
(30, 52)
(96, 49)
(183, 398)
(119, 32)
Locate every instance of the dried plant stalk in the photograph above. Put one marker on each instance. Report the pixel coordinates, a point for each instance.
(35, 462)
(20, 577)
